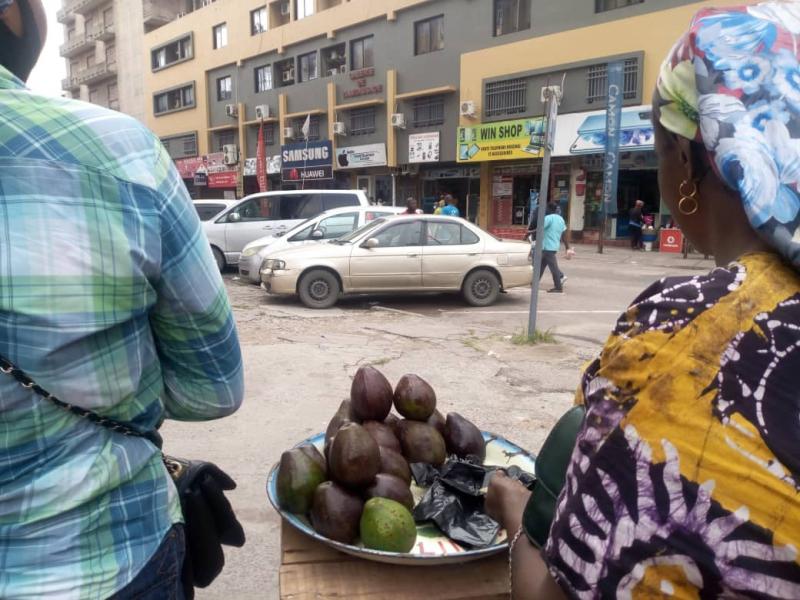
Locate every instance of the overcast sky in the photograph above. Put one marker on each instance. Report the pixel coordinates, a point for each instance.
(51, 68)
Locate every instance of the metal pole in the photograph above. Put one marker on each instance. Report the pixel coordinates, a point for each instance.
(544, 188)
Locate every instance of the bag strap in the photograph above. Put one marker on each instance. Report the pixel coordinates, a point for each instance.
(8, 368)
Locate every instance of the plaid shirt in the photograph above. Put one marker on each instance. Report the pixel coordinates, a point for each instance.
(110, 299)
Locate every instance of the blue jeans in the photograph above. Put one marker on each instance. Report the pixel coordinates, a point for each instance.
(160, 579)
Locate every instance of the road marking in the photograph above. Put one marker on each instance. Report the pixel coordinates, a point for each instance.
(525, 312)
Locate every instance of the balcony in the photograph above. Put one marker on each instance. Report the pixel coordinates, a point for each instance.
(97, 73)
(84, 6)
(155, 15)
(70, 84)
(102, 32)
(65, 15)
(76, 45)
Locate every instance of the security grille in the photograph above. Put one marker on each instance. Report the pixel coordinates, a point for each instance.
(506, 97)
(428, 111)
(362, 121)
(597, 81)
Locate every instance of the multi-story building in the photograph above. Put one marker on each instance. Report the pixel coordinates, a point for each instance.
(404, 91)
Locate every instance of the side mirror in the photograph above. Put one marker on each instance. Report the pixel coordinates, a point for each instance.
(372, 243)
(234, 217)
(317, 234)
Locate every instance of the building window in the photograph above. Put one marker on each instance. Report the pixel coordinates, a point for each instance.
(269, 134)
(111, 55)
(94, 96)
(362, 121)
(91, 60)
(309, 67)
(171, 53)
(334, 59)
(511, 16)
(108, 17)
(506, 97)
(428, 111)
(305, 8)
(313, 127)
(220, 35)
(179, 98)
(361, 55)
(597, 81)
(181, 146)
(263, 77)
(225, 138)
(113, 96)
(258, 20)
(224, 88)
(71, 32)
(284, 70)
(604, 5)
(429, 35)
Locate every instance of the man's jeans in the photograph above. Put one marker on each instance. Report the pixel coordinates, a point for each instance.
(550, 260)
(160, 579)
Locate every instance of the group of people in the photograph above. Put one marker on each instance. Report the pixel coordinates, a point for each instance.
(447, 206)
(685, 476)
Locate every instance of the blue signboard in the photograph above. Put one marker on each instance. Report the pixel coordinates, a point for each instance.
(613, 118)
(307, 161)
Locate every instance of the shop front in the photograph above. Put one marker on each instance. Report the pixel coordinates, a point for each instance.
(365, 168)
(461, 182)
(251, 174)
(209, 177)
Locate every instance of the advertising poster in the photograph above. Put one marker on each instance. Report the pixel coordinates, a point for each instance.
(311, 161)
(423, 147)
(585, 133)
(504, 140)
(356, 157)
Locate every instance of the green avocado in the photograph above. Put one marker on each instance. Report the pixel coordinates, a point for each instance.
(300, 472)
(388, 526)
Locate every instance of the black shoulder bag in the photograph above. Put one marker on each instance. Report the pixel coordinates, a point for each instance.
(209, 518)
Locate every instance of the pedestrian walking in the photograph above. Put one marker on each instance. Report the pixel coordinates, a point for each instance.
(411, 207)
(552, 237)
(635, 225)
(111, 300)
(451, 208)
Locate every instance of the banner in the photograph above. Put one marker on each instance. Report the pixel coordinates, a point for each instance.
(504, 140)
(585, 132)
(225, 179)
(423, 147)
(311, 161)
(613, 118)
(355, 157)
(261, 160)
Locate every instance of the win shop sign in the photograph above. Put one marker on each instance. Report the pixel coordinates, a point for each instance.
(312, 161)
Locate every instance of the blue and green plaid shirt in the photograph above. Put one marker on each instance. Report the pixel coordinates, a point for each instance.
(110, 299)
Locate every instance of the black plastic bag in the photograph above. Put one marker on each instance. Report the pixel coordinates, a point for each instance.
(455, 497)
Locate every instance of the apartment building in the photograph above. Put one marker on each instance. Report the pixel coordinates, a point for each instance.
(400, 92)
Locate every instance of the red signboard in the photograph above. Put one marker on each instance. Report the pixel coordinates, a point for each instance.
(187, 167)
(226, 179)
(671, 240)
(261, 160)
(502, 212)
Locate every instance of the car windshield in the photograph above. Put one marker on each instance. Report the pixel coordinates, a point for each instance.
(346, 239)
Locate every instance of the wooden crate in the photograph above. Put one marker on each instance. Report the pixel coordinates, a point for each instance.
(312, 571)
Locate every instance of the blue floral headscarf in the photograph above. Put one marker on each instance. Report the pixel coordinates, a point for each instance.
(732, 83)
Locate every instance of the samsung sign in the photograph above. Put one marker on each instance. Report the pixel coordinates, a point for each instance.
(310, 161)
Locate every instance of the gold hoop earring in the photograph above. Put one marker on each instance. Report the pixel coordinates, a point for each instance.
(688, 198)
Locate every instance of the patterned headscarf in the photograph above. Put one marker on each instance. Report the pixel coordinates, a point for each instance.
(732, 83)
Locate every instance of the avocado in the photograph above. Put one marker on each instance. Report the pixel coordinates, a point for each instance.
(335, 513)
(436, 420)
(354, 458)
(463, 438)
(387, 525)
(370, 395)
(382, 434)
(422, 443)
(299, 474)
(392, 421)
(414, 398)
(393, 463)
(394, 488)
(343, 415)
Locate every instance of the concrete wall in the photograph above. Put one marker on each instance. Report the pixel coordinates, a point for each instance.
(128, 16)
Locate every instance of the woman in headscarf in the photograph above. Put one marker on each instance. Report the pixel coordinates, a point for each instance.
(685, 479)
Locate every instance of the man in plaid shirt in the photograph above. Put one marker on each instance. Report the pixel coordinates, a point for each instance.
(111, 300)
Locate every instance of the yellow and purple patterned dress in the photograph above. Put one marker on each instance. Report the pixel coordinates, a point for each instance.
(685, 481)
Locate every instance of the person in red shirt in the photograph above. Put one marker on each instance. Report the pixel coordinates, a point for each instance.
(411, 207)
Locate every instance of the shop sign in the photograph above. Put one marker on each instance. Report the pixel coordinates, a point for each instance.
(504, 140)
(200, 178)
(453, 173)
(273, 165)
(502, 187)
(613, 117)
(187, 167)
(209, 163)
(364, 88)
(585, 133)
(671, 240)
(224, 179)
(310, 161)
(423, 147)
(356, 157)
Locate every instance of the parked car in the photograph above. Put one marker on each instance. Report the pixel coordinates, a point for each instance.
(401, 254)
(324, 227)
(208, 209)
(270, 213)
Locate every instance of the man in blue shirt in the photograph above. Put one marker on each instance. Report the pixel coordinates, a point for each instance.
(451, 210)
(551, 239)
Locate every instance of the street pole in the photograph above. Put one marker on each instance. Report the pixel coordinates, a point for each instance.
(552, 97)
(615, 76)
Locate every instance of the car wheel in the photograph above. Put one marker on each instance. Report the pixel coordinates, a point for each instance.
(319, 289)
(219, 258)
(481, 288)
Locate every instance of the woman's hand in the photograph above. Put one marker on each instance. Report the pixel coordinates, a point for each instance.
(506, 501)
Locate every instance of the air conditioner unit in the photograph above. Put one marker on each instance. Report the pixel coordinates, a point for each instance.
(285, 8)
(230, 154)
(399, 120)
(232, 110)
(339, 128)
(288, 133)
(333, 72)
(468, 109)
(288, 75)
(262, 111)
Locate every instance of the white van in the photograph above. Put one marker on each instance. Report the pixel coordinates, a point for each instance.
(270, 213)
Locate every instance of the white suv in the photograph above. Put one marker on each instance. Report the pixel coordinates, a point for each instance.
(270, 213)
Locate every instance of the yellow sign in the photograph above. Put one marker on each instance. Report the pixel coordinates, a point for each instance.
(503, 140)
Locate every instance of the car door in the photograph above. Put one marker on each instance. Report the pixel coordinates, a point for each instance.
(330, 228)
(449, 251)
(394, 264)
(296, 208)
(249, 221)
